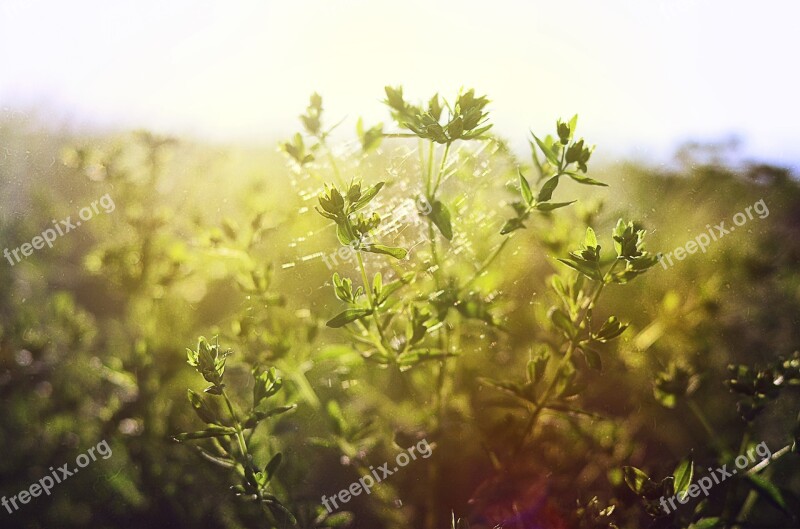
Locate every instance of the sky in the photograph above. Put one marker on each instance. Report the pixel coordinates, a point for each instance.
(644, 75)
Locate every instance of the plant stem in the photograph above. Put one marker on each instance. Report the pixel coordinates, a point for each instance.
(487, 263)
(434, 254)
(540, 405)
(373, 340)
(731, 496)
(368, 289)
(367, 285)
(777, 455)
(701, 417)
(441, 169)
(332, 160)
(242, 445)
(430, 196)
(430, 171)
(238, 426)
(399, 135)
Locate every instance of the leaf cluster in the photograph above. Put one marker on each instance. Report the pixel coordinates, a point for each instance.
(355, 229)
(564, 157)
(229, 445)
(465, 120)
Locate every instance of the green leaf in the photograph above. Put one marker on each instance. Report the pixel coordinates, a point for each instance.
(394, 286)
(573, 124)
(537, 365)
(435, 107)
(259, 416)
(230, 228)
(668, 400)
(347, 316)
(535, 159)
(512, 225)
(441, 218)
(377, 285)
(373, 355)
(455, 128)
(266, 384)
(370, 138)
(412, 358)
(273, 465)
(610, 330)
(548, 153)
(707, 523)
(546, 193)
(202, 408)
(563, 322)
(592, 358)
(769, 491)
(505, 387)
(585, 268)
(367, 196)
(217, 460)
(683, 476)
(550, 206)
(476, 133)
(335, 413)
(590, 241)
(585, 179)
(525, 188)
(211, 431)
(475, 307)
(274, 411)
(339, 519)
(636, 480)
(397, 253)
(343, 233)
(280, 512)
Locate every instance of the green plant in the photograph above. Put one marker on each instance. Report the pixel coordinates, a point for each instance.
(229, 436)
(572, 321)
(401, 329)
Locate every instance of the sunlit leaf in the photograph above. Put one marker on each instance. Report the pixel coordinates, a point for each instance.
(546, 193)
(550, 206)
(441, 219)
(397, 253)
(637, 480)
(348, 316)
(683, 476)
(585, 179)
(548, 153)
(525, 189)
(211, 431)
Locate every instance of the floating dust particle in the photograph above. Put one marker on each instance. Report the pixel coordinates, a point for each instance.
(311, 256)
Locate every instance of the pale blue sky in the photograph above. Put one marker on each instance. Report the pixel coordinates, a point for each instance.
(643, 74)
